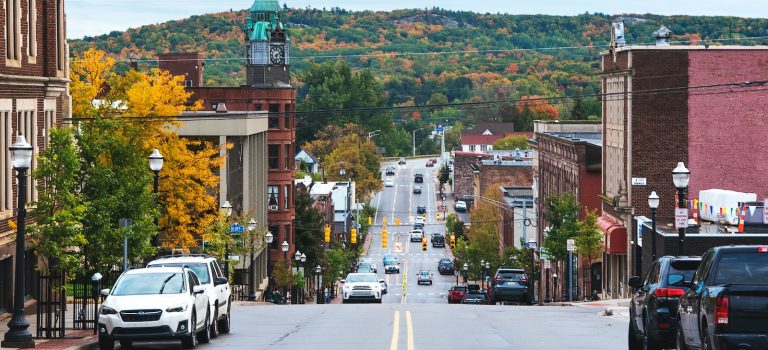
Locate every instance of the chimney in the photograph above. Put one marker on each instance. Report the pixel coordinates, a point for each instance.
(662, 36)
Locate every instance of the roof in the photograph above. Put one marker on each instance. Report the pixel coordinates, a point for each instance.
(492, 128)
(594, 138)
(306, 156)
(479, 139)
(320, 188)
(265, 6)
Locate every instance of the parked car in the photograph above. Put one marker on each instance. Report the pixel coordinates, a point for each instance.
(390, 170)
(416, 235)
(509, 285)
(361, 286)
(158, 303)
(456, 294)
(417, 189)
(461, 206)
(726, 305)
(424, 276)
(365, 267)
(653, 307)
(391, 265)
(401, 161)
(383, 284)
(418, 178)
(212, 278)
(479, 297)
(445, 266)
(369, 262)
(389, 182)
(421, 209)
(430, 163)
(438, 240)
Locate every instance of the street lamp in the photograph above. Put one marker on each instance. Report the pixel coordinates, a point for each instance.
(227, 207)
(268, 239)
(285, 247)
(18, 335)
(482, 273)
(251, 291)
(465, 267)
(653, 203)
(487, 272)
(156, 164)
(342, 173)
(414, 140)
(680, 176)
(532, 244)
(319, 292)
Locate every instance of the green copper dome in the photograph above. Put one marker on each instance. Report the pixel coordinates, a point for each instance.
(265, 6)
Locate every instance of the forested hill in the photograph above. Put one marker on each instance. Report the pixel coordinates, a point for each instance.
(419, 54)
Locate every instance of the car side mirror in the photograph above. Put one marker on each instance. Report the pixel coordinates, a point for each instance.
(105, 292)
(198, 289)
(382, 281)
(343, 281)
(219, 281)
(635, 282)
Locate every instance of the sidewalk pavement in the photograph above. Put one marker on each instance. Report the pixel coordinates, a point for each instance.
(80, 339)
(617, 308)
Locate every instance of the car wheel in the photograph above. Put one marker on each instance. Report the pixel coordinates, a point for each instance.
(705, 343)
(190, 341)
(379, 301)
(648, 342)
(225, 323)
(204, 336)
(215, 322)
(680, 339)
(126, 344)
(106, 342)
(632, 341)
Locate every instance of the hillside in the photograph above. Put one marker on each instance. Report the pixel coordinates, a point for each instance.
(418, 53)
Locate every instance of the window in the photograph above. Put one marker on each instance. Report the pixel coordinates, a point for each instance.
(287, 197)
(273, 151)
(276, 239)
(61, 39)
(273, 193)
(288, 163)
(471, 148)
(274, 116)
(26, 112)
(32, 32)
(483, 148)
(6, 139)
(12, 32)
(49, 122)
(288, 116)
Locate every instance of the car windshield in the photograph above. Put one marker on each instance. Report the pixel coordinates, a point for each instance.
(201, 269)
(424, 273)
(362, 277)
(681, 271)
(390, 261)
(742, 268)
(512, 276)
(150, 283)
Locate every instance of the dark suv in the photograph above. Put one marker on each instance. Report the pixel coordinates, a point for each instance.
(510, 285)
(418, 178)
(445, 266)
(438, 240)
(653, 308)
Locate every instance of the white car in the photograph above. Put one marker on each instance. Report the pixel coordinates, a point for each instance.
(416, 235)
(461, 206)
(212, 278)
(370, 262)
(361, 286)
(389, 182)
(157, 303)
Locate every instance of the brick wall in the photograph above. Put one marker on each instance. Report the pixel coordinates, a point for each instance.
(463, 176)
(504, 175)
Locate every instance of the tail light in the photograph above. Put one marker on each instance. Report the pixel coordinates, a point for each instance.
(721, 311)
(763, 249)
(523, 279)
(499, 279)
(668, 292)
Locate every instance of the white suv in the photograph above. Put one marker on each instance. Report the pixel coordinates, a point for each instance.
(211, 277)
(155, 304)
(361, 286)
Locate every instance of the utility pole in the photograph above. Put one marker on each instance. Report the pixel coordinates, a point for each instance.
(414, 140)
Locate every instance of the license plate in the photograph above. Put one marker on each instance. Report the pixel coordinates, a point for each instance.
(511, 283)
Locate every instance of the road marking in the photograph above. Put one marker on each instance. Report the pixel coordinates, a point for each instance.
(378, 202)
(395, 331)
(405, 283)
(409, 329)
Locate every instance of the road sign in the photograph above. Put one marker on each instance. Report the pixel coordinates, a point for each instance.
(547, 264)
(439, 128)
(681, 218)
(236, 228)
(571, 245)
(398, 247)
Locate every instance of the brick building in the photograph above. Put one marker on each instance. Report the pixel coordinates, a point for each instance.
(492, 173)
(463, 174)
(483, 135)
(267, 89)
(669, 104)
(34, 97)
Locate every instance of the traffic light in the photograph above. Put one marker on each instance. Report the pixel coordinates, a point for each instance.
(353, 236)
(370, 221)
(384, 238)
(424, 244)
(424, 216)
(453, 241)
(437, 216)
(327, 232)
(397, 221)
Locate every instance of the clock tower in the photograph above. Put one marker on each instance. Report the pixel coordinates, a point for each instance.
(267, 44)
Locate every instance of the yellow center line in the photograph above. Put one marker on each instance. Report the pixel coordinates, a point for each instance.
(395, 332)
(409, 329)
(405, 284)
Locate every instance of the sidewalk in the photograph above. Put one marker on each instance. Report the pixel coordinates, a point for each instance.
(73, 339)
(617, 308)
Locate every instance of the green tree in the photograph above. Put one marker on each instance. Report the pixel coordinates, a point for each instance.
(360, 162)
(511, 142)
(444, 175)
(562, 214)
(483, 242)
(60, 205)
(589, 238)
(309, 229)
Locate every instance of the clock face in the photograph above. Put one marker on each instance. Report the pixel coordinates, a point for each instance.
(276, 54)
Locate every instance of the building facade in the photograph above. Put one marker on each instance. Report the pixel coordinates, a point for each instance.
(483, 135)
(34, 97)
(705, 118)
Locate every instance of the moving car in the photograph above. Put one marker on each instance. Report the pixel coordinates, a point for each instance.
(389, 182)
(365, 267)
(461, 206)
(509, 285)
(418, 178)
(726, 305)
(417, 189)
(430, 163)
(390, 170)
(391, 265)
(401, 161)
(159, 303)
(456, 294)
(416, 235)
(445, 266)
(212, 278)
(361, 286)
(424, 276)
(369, 262)
(438, 240)
(421, 209)
(653, 307)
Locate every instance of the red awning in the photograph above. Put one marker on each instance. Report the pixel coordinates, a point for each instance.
(615, 236)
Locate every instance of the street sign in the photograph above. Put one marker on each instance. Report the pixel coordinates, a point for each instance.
(236, 228)
(439, 128)
(544, 253)
(571, 245)
(681, 218)
(638, 181)
(234, 257)
(547, 264)
(765, 211)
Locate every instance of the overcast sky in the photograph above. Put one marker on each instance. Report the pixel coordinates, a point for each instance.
(95, 17)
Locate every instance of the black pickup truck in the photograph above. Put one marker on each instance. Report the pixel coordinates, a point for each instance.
(726, 306)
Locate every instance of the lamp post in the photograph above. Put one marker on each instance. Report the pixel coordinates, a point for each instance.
(18, 335)
(465, 268)
(303, 260)
(285, 247)
(251, 291)
(533, 245)
(487, 273)
(414, 140)
(295, 291)
(680, 176)
(482, 273)
(156, 164)
(268, 239)
(653, 203)
(319, 288)
(227, 207)
(342, 173)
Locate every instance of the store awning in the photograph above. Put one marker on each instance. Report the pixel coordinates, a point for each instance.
(615, 235)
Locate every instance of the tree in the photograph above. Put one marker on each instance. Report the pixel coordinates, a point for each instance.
(511, 142)
(562, 213)
(360, 162)
(309, 230)
(60, 205)
(327, 139)
(483, 242)
(589, 239)
(444, 175)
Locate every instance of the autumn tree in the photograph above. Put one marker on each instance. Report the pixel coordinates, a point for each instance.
(562, 214)
(327, 139)
(589, 239)
(483, 241)
(360, 162)
(511, 142)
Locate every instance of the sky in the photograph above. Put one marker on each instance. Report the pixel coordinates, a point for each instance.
(96, 17)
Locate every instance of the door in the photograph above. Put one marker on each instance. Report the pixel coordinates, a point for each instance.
(596, 275)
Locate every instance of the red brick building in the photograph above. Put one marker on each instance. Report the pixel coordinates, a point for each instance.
(34, 97)
(666, 104)
(268, 89)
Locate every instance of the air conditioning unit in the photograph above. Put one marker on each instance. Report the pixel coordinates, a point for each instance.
(272, 207)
